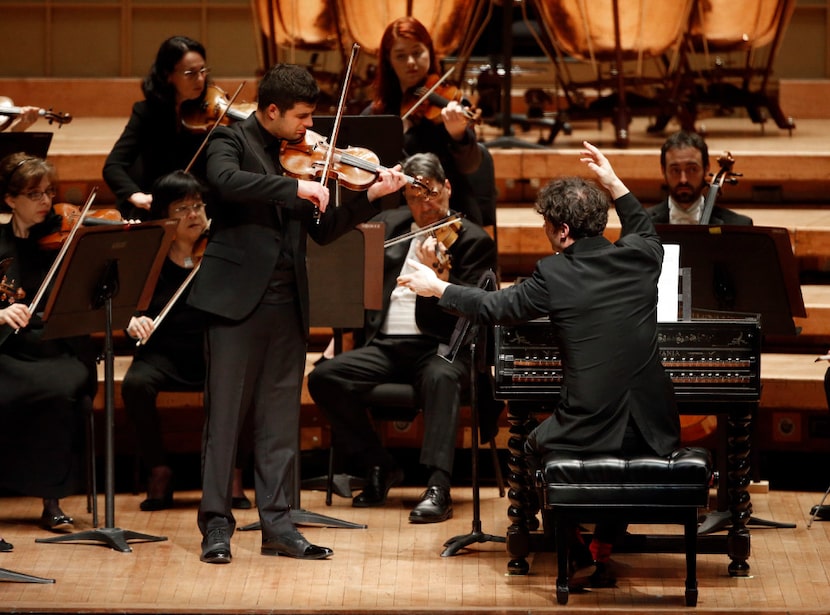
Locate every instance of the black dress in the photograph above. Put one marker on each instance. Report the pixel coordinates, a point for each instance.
(45, 388)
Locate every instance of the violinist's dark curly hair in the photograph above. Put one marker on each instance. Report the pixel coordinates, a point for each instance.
(174, 187)
(21, 172)
(285, 85)
(388, 95)
(156, 86)
(577, 202)
(682, 139)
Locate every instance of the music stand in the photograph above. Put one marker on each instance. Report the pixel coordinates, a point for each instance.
(108, 273)
(31, 143)
(20, 577)
(478, 364)
(748, 269)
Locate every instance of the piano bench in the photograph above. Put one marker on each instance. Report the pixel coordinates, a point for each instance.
(644, 489)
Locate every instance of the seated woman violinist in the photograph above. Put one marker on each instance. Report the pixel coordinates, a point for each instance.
(41, 414)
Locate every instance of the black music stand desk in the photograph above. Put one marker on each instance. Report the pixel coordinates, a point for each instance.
(108, 273)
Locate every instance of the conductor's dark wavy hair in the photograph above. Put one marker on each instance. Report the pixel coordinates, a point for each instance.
(388, 95)
(174, 187)
(577, 202)
(156, 85)
(683, 139)
(285, 85)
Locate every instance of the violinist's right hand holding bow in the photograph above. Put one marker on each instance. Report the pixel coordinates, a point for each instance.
(140, 327)
(15, 315)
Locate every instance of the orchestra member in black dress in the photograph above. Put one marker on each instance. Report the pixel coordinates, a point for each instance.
(46, 386)
(155, 141)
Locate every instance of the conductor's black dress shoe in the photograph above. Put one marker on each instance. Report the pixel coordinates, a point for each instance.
(435, 506)
(216, 546)
(378, 484)
(5, 546)
(293, 544)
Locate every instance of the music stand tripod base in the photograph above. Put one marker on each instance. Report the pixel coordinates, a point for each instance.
(307, 518)
(114, 537)
(20, 577)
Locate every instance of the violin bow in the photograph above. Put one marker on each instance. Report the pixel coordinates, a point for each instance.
(336, 126)
(428, 92)
(212, 128)
(451, 219)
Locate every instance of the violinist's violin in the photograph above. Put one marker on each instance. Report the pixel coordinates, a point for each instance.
(69, 216)
(355, 168)
(8, 111)
(203, 117)
(428, 100)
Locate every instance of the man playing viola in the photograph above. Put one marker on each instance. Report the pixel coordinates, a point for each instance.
(400, 345)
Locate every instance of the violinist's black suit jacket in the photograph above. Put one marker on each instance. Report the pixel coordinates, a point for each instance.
(720, 216)
(253, 282)
(601, 299)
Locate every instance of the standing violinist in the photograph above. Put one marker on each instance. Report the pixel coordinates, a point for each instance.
(684, 161)
(171, 356)
(155, 141)
(401, 343)
(407, 62)
(254, 287)
(46, 386)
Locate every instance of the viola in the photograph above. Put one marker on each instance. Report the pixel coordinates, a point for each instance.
(8, 111)
(355, 168)
(428, 100)
(69, 216)
(203, 117)
(725, 175)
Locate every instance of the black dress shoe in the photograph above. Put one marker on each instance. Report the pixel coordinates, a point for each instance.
(294, 544)
(216, 547)
(58, 521)
(162, 503)
(435, 506)
(378, 484)
(5, 546)
(601, 576)
(241, 502)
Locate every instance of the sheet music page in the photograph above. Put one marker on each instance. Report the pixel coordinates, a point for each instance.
(668, 284)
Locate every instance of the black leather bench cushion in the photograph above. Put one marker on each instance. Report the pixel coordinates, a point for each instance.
(681, 479)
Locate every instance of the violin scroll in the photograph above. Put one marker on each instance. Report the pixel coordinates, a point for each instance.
(725, 175)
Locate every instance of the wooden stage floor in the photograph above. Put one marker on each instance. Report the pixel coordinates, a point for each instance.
(392, 566)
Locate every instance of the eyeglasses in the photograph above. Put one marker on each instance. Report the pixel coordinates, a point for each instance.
(195, 74)
(423, 194)
(37, 195)
(183, 210)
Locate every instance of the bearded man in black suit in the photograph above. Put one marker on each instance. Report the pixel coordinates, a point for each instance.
(684, 160)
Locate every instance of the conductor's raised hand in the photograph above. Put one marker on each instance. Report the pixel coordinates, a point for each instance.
(423, 280)
(599, 165)
(315, 192)
(388, 181)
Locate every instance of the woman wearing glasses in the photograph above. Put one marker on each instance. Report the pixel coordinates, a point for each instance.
(154, 141)
(171, 355)
(45, 385)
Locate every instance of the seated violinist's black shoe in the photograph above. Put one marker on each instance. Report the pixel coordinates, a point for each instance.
(378, 484)
(820, 512)
(5, 546)
(241, 502)
(162, 503)
(57, 521)
(435, 506)
(601, 577)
